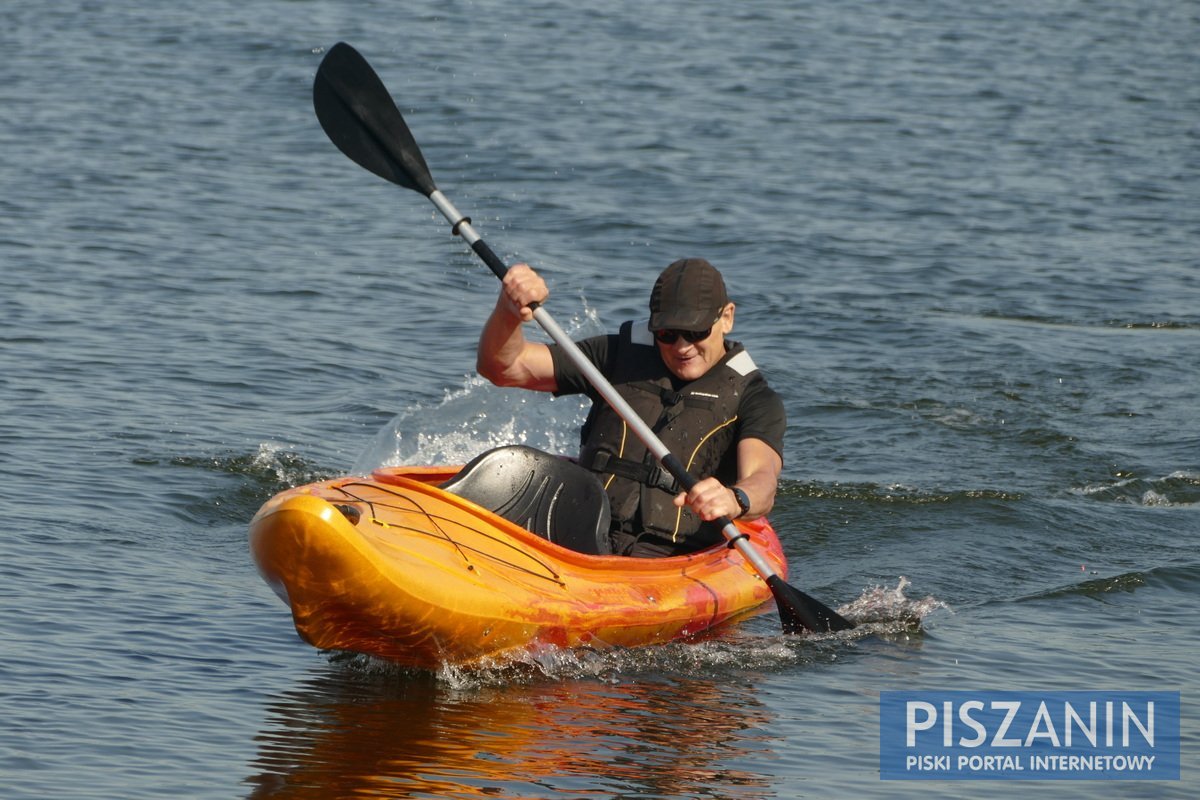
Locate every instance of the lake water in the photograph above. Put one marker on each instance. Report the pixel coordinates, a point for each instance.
(964, 245)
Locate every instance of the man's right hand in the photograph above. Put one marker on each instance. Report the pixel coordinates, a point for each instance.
(522, 287)
(504, 356)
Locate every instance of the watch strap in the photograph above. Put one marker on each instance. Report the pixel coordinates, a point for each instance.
(742, 500)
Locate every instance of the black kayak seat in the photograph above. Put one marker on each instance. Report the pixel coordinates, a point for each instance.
(545, 494)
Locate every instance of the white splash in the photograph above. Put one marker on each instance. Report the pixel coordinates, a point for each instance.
(473, 419)
(479, 416)
(890, 607)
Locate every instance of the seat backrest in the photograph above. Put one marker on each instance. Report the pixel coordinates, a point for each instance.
(548, 495)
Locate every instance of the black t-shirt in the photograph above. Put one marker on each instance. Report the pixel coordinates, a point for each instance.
(760, 412)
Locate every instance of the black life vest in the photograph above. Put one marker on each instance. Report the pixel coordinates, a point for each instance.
(696, 421)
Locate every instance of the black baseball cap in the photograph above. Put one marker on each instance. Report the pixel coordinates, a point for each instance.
(688, 296)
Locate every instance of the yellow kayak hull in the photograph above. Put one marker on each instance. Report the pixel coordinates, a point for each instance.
(392, 566)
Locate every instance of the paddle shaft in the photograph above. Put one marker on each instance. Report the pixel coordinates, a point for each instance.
(461, 225)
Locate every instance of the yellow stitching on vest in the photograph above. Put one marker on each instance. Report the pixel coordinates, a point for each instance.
(621, 454)
(691, 460)
(708, 436)
(678, 519)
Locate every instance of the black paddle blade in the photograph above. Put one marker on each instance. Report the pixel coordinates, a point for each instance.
(361, 118)
(798, 612)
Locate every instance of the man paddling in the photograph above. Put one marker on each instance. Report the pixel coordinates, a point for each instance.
(700, 393)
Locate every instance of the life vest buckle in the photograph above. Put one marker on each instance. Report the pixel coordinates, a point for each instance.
(652, 475)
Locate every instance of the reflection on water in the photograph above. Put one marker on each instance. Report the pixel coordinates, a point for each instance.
(686, 719)
(691, 719)
(359, 729)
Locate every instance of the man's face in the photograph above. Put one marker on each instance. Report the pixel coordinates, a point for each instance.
(689, 360)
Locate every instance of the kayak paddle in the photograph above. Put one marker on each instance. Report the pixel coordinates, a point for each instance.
(360, 117)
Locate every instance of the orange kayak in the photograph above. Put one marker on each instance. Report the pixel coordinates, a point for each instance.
(395, 566)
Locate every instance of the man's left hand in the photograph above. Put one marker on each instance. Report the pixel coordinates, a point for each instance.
(710, 499)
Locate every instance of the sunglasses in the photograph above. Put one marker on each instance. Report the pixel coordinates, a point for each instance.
(671, 335)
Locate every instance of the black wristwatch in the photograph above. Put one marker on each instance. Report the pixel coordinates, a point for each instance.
(742, 500)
